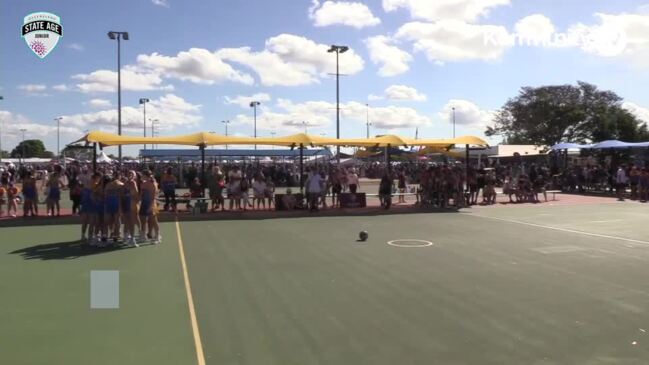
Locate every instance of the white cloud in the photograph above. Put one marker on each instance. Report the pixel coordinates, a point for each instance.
(163, 3)
(606, 39)
(640, 112)
(372, 97)
(387, 117)
(536, 29)
(61, 87)
(133, 80)
(13, 123)
(171, 111)
(197, 65)
(270, 68)
(244, 101)
(433, 10)
(286, 60)
(76, 46)
(624, 35)
(286, 116)
(353, 14)
(452, 40)
(393, 61)
(290, 60)
(467, 114)
(404, 93)
(33, 89)
(99, 103)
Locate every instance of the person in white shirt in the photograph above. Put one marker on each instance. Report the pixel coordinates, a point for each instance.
(259, 191)
(314, 186)
(621, 180)
(234, 187)
(352, 181)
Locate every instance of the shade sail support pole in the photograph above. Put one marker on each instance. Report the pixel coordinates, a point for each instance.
(94, 157)
(387, 159)
(202, 147)
(301, 168)
(466, 168)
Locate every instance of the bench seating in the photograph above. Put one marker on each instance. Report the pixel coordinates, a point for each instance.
(553, 192)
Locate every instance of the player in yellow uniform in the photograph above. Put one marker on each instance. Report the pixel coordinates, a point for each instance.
(130, 208)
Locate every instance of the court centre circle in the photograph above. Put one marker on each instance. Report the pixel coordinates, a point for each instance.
(410, 243)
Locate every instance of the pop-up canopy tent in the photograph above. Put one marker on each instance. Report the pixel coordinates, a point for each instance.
(610, 144)
(601, 145)
(300, 140)
(103, 158)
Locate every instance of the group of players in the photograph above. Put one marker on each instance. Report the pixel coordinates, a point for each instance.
(11, 197)
(109, 202)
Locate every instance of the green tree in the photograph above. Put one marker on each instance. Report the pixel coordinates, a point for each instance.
(4, 154)
(565, 113)
(77, 152)
(30, 148)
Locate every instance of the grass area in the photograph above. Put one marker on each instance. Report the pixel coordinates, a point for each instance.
(500, 285)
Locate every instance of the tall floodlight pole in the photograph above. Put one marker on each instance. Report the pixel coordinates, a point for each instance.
(226, 122)
(153, 122)
(119, 36)
(453, 122)
(367, 120)
(305, 127)
(272, 134)
(143, 102)
(254, 105)
(22, 154)
(338, 50)
(58, 137)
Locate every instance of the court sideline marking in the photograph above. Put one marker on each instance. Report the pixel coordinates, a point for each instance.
(562, 229)
(190, 300)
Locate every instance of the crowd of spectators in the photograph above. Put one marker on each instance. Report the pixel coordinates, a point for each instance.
(252, 186)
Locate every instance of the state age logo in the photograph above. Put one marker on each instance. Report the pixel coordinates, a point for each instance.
(42, 32)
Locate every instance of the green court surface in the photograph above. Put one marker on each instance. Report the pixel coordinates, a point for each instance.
(499, 285)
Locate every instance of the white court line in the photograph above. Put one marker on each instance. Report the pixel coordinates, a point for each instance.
(563, 229)
(607, 221)
(420, 243)
(200, 357)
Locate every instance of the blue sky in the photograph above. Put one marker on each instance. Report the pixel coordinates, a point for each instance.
(188, 58)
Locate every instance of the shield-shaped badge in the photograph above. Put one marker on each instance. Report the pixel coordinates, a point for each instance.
(42, 31)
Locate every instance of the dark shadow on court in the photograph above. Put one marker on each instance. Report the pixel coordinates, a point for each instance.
(63, 251)
(250, 215)
(303, 213)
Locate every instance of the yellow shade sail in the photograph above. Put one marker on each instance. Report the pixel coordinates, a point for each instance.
(464, 140)
(295, 140)
(109, 139)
